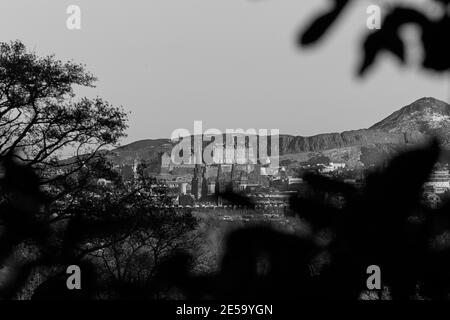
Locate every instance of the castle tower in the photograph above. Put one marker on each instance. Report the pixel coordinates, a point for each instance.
(166, 165)
(243, 182)
(211, 186)
(183, 188)
(135, 168)
(204, 185)
(219, 173)
(196, 188)
(230, 184)
(217, 186)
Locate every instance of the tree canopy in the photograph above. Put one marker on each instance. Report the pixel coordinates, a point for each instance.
(40, 115)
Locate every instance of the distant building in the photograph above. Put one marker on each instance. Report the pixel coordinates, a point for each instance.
(166, 163)
(168, 167)
(292, 180)
(204, 189)
(103, 182)
(211, 186)
(243, 182)
(126, 171)
(183, 188)
(196, 184)
(135, 168)
(439, 181)
(331, 167)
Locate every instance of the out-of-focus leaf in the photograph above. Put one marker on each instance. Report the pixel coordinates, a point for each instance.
(388, 37)
(322, 23)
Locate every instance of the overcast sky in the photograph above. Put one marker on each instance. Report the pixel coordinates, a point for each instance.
(230, 63)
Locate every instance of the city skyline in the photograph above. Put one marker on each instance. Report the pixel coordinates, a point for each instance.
(232, 64)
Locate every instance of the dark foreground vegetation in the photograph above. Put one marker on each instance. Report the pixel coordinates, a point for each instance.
(55, 213)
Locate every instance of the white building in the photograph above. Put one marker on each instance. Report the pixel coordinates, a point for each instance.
(332, 166)
(439, 181)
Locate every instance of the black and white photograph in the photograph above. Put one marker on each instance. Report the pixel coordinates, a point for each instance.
(224, 158)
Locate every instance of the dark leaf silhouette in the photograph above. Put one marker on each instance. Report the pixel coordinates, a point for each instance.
(323, 23)
(388, 38)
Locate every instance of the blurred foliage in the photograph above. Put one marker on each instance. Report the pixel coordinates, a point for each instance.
(111, 231)
(434, 31)
(385, 224)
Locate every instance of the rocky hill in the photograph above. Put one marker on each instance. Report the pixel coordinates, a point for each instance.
(425, 115)
(408, 126)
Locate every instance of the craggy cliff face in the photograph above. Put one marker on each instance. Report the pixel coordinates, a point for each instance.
(410, 125)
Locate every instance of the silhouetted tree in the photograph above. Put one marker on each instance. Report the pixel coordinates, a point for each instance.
(57, 212)
(40, 117)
